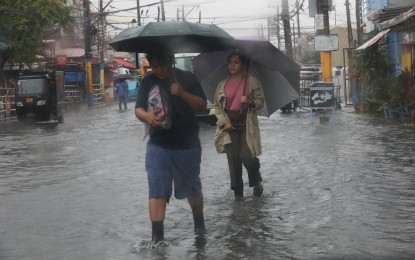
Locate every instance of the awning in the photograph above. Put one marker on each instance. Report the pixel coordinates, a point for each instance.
(373, 40)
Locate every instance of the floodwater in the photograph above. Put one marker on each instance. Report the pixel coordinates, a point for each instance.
(78, 190)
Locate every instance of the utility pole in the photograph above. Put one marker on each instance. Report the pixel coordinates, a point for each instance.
(88, 54)
(325, 56)
(298, 18)
(138, 13)
(163, 17)
(352, 81)
(101, 53)
(358, 7)
(298, 49)
(278, 27)
(137, 61)
(294, 48)
(287, 30)
(269, 22)
(349, 24)
(183, 16)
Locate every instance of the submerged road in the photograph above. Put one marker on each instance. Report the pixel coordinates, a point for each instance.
(78, 190)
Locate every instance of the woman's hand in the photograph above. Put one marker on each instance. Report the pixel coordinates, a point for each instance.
(228, 127)
(244, 100)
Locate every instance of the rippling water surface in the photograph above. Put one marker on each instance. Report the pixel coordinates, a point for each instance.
(78, 190)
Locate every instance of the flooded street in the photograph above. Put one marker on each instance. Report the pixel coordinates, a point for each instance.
(78, 190)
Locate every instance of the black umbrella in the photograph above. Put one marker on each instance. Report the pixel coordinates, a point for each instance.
(279, 75)
(177, 36)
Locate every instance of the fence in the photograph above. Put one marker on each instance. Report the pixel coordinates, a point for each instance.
(7, 104)
(72, 94)
(309, 74)
(304, 100)
(97, 94)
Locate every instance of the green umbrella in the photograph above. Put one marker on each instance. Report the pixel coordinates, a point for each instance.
(177, 36)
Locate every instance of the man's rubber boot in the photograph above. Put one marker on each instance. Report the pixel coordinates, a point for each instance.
(199, 222)
(157, 231)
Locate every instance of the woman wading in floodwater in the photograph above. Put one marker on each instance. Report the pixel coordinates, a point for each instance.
(237, 99)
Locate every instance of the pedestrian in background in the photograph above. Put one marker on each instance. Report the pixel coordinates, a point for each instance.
(173, 153)
(122, 89)
(237, 99)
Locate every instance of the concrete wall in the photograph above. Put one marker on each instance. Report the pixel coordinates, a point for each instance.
(337, 56)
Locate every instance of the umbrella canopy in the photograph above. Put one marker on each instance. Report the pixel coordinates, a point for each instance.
(178, 36)
(279, 75)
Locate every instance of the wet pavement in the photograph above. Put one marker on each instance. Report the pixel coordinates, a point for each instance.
(78, 190)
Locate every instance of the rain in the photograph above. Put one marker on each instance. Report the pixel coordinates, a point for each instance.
(339, 180)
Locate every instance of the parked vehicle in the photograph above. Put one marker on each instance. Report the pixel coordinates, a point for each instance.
(292, 106)
(40, 95)
(208, 115)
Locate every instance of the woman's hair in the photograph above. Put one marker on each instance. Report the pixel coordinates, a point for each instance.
(240, 56)
(160, 55)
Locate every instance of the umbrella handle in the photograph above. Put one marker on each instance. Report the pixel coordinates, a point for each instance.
(174, 74)
(246, 77)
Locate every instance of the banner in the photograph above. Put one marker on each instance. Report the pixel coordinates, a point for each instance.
(60, 60)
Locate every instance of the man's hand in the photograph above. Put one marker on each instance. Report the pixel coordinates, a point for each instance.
(176, 89)
(152, 119)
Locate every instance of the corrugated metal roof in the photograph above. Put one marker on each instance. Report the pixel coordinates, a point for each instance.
(388, 13)
(398, 19)
(71, 52)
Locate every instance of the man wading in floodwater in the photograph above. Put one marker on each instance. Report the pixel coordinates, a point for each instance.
(167, 101)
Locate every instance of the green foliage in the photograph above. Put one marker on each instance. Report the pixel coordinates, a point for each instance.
(402, 87)
(25, 22)
(380, 88)
(371, 64)
(373, 70)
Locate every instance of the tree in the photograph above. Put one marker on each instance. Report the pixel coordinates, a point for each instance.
(24, 24)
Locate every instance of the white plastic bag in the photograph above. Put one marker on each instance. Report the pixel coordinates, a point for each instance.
(157, 99)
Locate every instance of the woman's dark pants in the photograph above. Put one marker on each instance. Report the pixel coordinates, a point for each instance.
(238, 154)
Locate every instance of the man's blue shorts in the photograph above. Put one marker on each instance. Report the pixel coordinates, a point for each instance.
(167, 166)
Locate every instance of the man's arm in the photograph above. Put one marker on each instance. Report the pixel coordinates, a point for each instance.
(197, 103)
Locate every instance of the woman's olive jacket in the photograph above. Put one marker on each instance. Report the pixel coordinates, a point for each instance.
(256, 99)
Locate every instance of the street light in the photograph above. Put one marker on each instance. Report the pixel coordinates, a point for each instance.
(133, 21)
